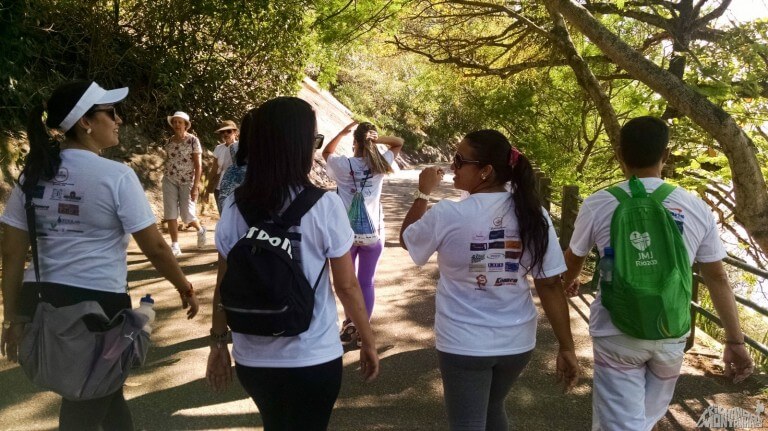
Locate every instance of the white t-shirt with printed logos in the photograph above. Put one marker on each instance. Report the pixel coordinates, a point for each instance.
(483, 302)
(337, 167)
(325, 234)
(224, 156)
(593, 227)
(84, 218)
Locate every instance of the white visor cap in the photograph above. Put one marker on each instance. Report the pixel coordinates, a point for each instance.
(94, 95)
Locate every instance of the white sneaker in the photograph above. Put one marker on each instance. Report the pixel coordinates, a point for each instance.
(175, 249)
(202, 237)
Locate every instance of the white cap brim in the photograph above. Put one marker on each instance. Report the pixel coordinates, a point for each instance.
(94, 95)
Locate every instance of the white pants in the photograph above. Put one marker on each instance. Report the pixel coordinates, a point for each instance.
(633, 381)
(178, 197)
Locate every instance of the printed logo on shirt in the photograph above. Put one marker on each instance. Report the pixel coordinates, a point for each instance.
(481, 282)
(479, 257)
(478, 246)
(512, 254)
(513, 244)
(57, 194)
(38, 192)
(496, 245)
(72, 196)
(497, 222)
(61, 176)
(69, 209)
(495, 256)
(501, 281)
(511, 233)
(61, 220)
(511, 266)
(496, 234)
(495, 266)
(478, 236)
(476, 267)
(678, 217)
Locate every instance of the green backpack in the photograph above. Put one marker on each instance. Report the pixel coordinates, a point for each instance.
(649, 296)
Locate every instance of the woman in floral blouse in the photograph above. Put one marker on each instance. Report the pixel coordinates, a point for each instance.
(181, 180)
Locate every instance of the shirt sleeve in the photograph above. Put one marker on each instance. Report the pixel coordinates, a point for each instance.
(711, 247)
(133, 210)
(196, 147)
(229, 226)
(421, 236)
(333, 166)
(14, 214)
(338, 235)
(583, 237)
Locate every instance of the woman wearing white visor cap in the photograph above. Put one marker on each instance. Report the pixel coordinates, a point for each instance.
(85, 207)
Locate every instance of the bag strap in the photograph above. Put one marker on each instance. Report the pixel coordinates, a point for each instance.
(352, 172)
(319, 276)
(618, 193)
(292, 215)
(662, 192)
(32, 231)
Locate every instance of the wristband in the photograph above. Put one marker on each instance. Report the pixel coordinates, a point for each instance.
(190, 291)
(419, 195)
(219, 340)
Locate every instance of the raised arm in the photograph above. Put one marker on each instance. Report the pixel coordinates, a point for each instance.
(394, 143)
(331, 147)
(429, 178)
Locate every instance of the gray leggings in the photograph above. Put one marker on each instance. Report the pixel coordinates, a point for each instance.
(475, 388)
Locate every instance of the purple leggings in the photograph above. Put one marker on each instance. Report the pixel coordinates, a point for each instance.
(366, 258)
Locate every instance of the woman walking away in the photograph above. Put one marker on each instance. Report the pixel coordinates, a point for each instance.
(224, 154)
(363, 173)
(85, 209)
(294, 380)
(181, 180)
(485, 320)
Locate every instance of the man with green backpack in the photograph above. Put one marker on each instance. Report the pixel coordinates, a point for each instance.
(648, 234)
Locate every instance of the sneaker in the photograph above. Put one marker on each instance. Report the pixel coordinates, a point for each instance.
(202, 237)
(359, 342)
(175, 249)
(348, 332)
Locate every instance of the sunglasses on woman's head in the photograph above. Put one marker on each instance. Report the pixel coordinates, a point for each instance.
(110, 110)
(319, 141)
(459, 161)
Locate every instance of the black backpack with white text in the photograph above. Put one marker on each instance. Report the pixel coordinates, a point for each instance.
(264, 290)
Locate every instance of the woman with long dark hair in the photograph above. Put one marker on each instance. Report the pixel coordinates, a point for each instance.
(485, 321)
(364, 173)
(86, 208)
(293, 380)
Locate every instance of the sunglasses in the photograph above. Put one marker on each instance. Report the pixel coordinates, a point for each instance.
(111, 111)
(459, 161)
(319, 141)
(227, 132)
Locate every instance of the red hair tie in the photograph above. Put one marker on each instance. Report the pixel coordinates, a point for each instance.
(514, 155)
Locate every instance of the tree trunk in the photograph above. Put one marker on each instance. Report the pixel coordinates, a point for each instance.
(748, 182)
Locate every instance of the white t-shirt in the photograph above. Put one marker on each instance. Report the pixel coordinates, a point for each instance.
(325, 234)
(483, 302)
(593, 227)
(224, 156)
(84, 216)
(337, 167)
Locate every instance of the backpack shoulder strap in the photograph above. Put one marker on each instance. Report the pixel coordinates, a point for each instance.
(661, 192)
(352, 172)
(618, 193)
(305, 200)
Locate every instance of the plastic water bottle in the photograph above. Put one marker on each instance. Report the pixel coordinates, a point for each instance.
(146, 307)
(606, 266)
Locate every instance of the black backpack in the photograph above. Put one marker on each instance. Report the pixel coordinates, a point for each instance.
(264, 290)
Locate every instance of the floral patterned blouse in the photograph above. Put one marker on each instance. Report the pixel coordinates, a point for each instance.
(179, 168)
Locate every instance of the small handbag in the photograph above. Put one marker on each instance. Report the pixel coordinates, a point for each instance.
(359, 219)
(59, 353)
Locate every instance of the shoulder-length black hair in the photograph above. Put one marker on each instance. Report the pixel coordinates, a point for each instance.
(279, 136)
(44, 156)
(492, 148)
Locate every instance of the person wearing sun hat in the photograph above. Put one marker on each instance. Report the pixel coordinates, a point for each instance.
(224, 154)
(181, 180)
(85, 208)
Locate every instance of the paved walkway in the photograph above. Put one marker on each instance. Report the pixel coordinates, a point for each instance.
(169, 393)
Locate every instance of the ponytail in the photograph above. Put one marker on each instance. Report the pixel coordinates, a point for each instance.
(44, 157)
(376, 162)
(509, 165)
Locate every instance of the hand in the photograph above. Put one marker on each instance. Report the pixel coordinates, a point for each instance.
(372, 135)
(10, 341)
(194, 193)
(737, 362)
(189, 300)
(348, 128)
(369, 362)
(573, 289)
(429, 178)
(568, 369)
(218, 374)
